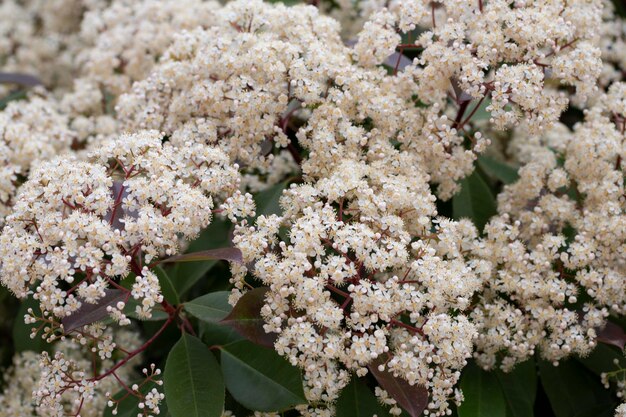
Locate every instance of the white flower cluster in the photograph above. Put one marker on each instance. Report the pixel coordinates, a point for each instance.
(29, 133)
(362, 277)
(363, 272)
(85, 225)
(30, 374)
(558, 244)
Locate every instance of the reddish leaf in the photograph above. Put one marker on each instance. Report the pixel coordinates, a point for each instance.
(246, 318)
(612, 334)
(91, 313)
(412, 398)
(226, 254)
(20, 79)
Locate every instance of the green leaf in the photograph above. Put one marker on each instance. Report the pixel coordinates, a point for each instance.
(21, 331)
(215, 334)
(356, 400)
(481, 113)
(211, 307)
(167, 286)
(193, 381)
(219, 254)
(17, 95)
(475, 201)
(260, 379)
(519, 387)
(186, 274)
(267, 200)
(572, 390)
(129, 404)
(498, 169)
(483, 395)
(602, 359)
(246, 318)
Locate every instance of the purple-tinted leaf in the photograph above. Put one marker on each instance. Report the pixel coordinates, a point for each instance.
(412, 398)
(20, 79)
(612, 334)
(461, 96)
(91, 313)
(392, 60)
(246, 318)
(226, 254)
(397, 60)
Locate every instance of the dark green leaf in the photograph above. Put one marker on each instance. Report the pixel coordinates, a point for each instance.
(260, 379)
(17, 95)
(193, 381)
(412, 398)
(483, 395)
(475, 201)
(157, 313)
(211, 307)
(602, 359)
(267, 200)
(167, 286)
(186, 274)
(216, 334)
(497, 169)
(519, 387)
(572, 390)
(22, 331)
(356, 400)
(246, 318)
(129, 404)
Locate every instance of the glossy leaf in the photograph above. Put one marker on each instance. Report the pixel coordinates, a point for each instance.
(572, 390)
(519, 387)
(220, 254)
(260, 379)
(356, 400)
(267, 200)
(211, 307)
(612, 334)
(167, 286)
(22, 331)
(497, 169)
(482, 392)
(412, 398)
(246, 318)
(602, 359)
(193, 382)
(474, 201)
(91, 313)
(129, 404)
(186, 274)
(25, 80)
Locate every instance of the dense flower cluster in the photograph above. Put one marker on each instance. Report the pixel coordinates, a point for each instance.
(88, 223)
(361, 277)
(45, 377)
(560, 237)
(161, 114)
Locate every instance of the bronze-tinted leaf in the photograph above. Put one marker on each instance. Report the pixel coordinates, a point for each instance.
(246, 318)
(226, 254)
(20, 79)
(612, 334)
(412, 398)
(91, 313)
